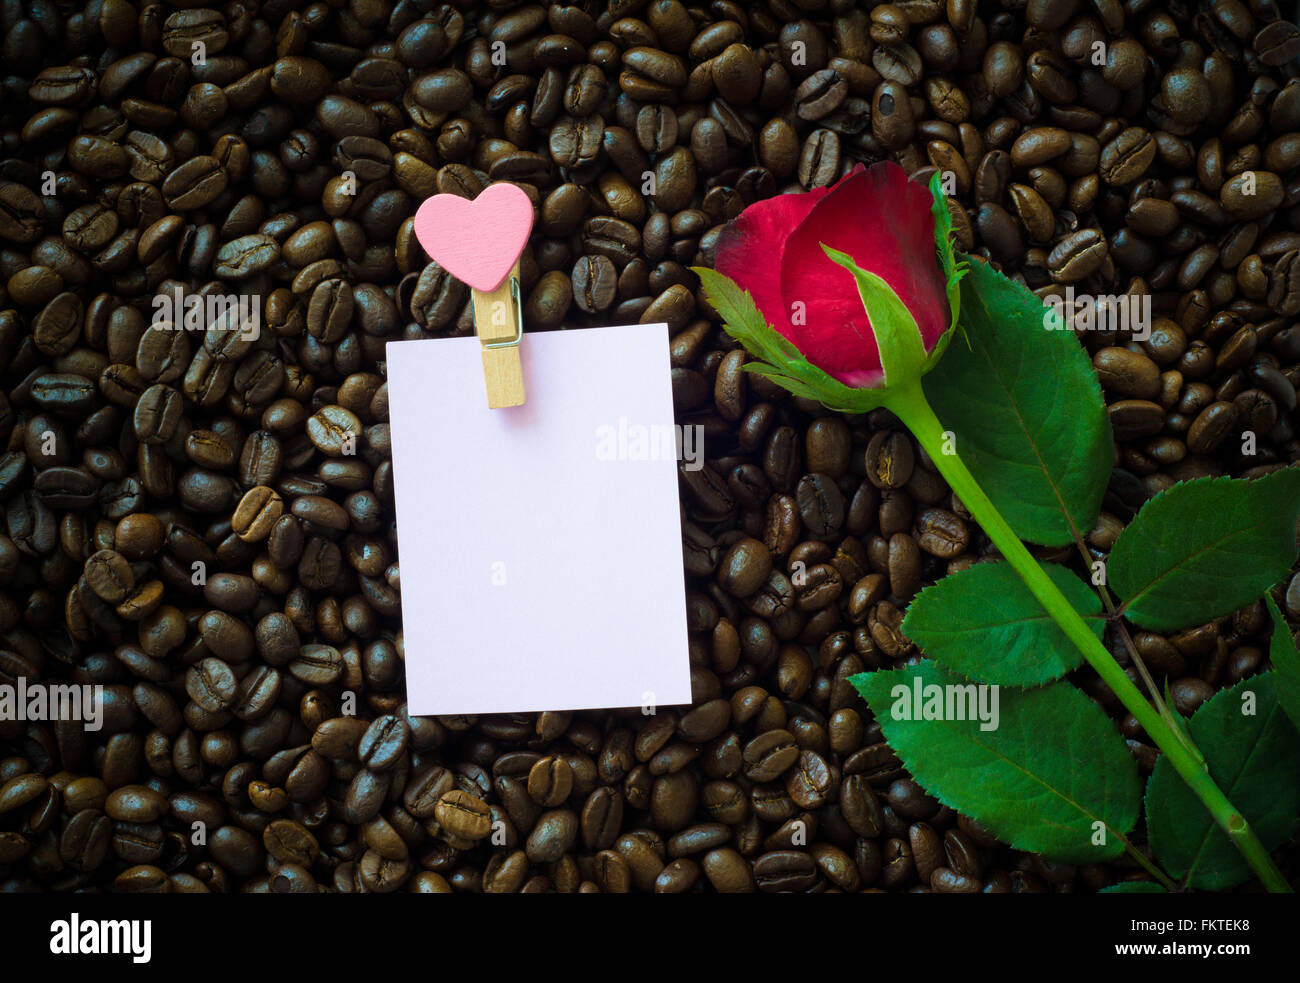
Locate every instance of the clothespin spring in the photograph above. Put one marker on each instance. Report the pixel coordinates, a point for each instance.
(518, 307)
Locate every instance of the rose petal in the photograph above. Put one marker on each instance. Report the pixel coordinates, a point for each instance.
(863, 378)
(884, 222)
(749, 250)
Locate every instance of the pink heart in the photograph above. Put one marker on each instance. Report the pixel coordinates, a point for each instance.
(476, 241)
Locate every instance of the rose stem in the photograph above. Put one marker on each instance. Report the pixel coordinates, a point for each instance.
(909, 404)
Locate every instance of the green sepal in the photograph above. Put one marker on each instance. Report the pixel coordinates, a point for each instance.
(953, 269)
(902, 353)
(778, 359)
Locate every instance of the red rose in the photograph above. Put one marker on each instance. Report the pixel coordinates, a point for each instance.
(878, 217)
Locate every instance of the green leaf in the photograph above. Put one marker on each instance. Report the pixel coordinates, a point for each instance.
(902, 352)
(1286, 663)
(1254, 759)
(985, 624)
(1027, 410)
(779, 360)
(1134, 887)
(1053, 766)
(1204, 548)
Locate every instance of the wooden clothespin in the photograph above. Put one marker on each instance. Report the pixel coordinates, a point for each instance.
(479, 242)
(499, 324)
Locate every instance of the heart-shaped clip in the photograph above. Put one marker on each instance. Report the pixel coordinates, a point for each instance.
(479, 243)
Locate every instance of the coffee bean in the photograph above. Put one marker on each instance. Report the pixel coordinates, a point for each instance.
(553, 835)
(464, 815)
(745, 568)
(785, 870)
(728, 872)
(135, 804)
(1127, 373)
(820, 94)
(334, 431)
(1251, 195)
(1135, 418)
(1127, 157)
(243, 257)
(194, 184)
(1277, 43)
(109, 575)
(892, 120)
(821, 505)
(941, 533)
(1211, 427)
(157, 414)
(256, 514)
(283, 165)
(735, 71)
(85, 841)
(550, 781)
(1077, 256)
(769, 755)
(317, 665)
(383, 743)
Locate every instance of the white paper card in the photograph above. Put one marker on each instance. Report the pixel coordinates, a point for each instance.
(540, 549)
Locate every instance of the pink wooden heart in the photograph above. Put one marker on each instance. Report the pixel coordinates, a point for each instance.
(476, 241)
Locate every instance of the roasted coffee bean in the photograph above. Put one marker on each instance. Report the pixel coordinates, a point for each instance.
(1077, 256)
(594, 283)
(785, 870)
(157, 414)
(890, 459)
(550, 781)
(745, 567)
(195, 183)
(942, 533)
(1127, 373)
(317, 665)
(821, 505)
(554, 834)
(728, 872)
(464, 815)
(199, 506)
(1126, 158)
(257, 513)
(85, 841)
(135, 804)
(769, 755)
(109, 576)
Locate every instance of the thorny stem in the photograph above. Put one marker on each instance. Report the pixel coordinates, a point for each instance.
(909, 404)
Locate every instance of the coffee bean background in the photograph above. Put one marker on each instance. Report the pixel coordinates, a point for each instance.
(1116, 147)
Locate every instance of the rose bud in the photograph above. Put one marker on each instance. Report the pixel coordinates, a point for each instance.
(780, 251)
